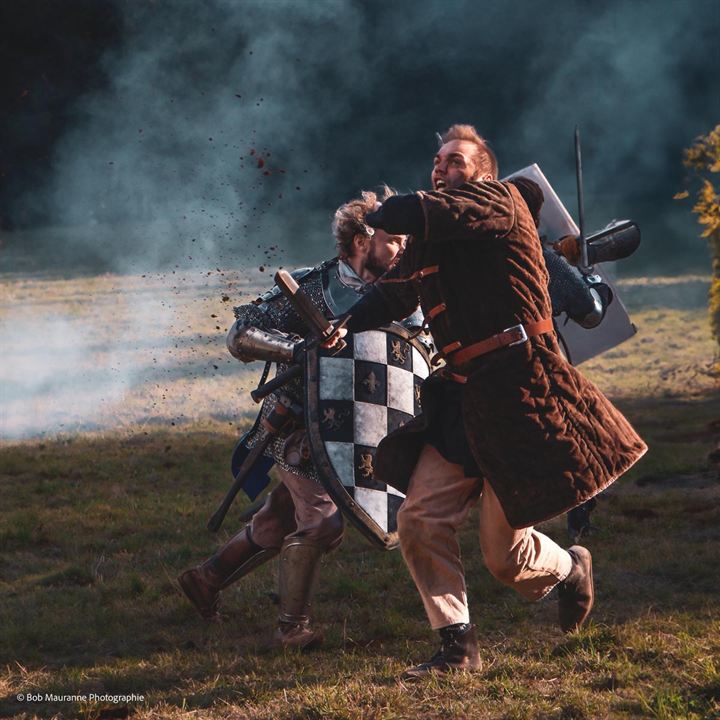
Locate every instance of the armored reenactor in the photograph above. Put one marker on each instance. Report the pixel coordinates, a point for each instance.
(298, 520)
(507, 422)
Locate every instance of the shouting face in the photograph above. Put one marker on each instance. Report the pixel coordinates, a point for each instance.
(456, 163)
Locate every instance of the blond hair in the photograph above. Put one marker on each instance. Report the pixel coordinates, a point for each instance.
(485, 157)
(349, 219)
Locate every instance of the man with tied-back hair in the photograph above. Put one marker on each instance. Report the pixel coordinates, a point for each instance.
(298, 520)
(507, 422)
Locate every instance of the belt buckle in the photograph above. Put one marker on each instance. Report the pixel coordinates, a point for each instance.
(517, 328)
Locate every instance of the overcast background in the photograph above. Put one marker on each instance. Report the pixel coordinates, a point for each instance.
(138, 135)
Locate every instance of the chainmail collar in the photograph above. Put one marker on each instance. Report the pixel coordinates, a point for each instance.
(351, 279)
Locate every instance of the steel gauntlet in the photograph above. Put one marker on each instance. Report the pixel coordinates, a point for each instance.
(601, 298)
(248, 343)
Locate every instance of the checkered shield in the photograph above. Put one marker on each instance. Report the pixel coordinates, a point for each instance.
(355, 399)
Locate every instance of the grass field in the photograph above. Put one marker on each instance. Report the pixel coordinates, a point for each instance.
(120, 409)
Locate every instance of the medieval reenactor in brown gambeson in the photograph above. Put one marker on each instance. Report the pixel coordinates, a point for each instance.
(507, 422)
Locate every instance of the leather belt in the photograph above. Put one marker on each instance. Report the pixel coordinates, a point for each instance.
(514, 335)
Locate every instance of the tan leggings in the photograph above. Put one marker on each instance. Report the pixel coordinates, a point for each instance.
(438, 501)
(298, 507)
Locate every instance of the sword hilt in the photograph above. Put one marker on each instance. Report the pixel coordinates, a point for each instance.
(262, 391)
(319, 325)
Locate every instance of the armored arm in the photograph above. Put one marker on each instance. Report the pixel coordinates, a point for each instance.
(618, 240)
(584, 299)
(264, 330)
(248, 343)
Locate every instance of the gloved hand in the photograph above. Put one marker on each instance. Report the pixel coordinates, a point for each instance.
(568, 247)
(605, 293)
(399, 215)
(602, 296)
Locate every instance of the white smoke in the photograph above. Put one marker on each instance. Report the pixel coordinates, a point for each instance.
(115, 352)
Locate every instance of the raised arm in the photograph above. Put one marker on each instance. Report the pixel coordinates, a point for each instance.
(391, 298)
(473, 211)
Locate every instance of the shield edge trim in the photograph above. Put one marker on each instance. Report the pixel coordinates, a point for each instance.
(351, 510)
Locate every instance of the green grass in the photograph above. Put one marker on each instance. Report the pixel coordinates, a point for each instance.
(95, 527)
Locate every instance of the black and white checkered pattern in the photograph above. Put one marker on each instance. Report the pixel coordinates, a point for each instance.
(367, 391)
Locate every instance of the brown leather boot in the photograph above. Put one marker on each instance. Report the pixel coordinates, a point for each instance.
(459, 651)
(576, 594)
(202, 584)
(299, 570)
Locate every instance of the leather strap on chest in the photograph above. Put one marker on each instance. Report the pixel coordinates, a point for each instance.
(417, 275)
(415, 279)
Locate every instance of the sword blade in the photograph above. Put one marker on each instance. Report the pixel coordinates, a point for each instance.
(582, 241)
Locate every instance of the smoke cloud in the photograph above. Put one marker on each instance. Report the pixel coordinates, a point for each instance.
(120, 352)
(225, 134)
(225, 126)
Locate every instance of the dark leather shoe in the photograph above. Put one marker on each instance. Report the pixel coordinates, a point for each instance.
(459, 651)
(576, 594)
(201, 594)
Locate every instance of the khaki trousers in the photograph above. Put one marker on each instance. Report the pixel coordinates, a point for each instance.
(438, 501)
(298, 507)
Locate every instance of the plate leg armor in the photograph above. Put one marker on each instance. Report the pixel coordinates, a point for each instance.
(239, 556)
(299, 570)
